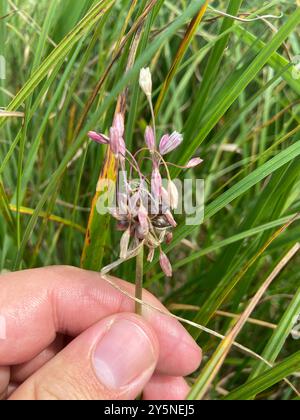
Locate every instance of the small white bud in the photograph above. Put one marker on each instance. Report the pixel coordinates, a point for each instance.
(146, 81)
(173, 195)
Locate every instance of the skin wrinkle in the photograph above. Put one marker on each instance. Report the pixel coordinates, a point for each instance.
(104, 299)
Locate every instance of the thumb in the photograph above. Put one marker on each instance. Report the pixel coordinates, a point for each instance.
(112, 360)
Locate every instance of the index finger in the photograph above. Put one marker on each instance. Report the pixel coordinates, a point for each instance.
(38, 304)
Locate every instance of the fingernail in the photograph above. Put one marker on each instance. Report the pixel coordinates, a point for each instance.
(123, 354)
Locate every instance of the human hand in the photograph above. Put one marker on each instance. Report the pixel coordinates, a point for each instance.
(67, 334)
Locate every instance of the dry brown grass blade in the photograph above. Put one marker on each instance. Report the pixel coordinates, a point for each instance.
(180, 54)
(213, 366)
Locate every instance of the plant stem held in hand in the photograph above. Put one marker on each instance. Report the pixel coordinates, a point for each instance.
(139, 280)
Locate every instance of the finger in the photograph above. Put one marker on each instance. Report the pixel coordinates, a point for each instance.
(112, 360)
(162, 387)
(36, 304)
(4, 381)
(20, 373)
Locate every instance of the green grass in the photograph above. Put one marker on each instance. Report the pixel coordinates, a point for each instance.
(235, 85)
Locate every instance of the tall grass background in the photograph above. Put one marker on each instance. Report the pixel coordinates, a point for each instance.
(232, 87)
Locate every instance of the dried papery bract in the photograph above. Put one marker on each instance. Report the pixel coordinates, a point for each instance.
(124, 244)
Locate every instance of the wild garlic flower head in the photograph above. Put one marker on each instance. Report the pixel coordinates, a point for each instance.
(144, 205)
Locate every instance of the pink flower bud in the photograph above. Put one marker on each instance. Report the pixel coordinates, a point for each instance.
(119, 124)
(194, 162)
(150, 138)
(170, 218)
(156, 183)
(114, 141)
(169, 143)
(165, 264)
(173, 195)
(122, 147)
(124, 244)
(98, 138)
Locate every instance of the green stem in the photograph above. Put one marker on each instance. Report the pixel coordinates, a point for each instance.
(139, 280)
(152, 114)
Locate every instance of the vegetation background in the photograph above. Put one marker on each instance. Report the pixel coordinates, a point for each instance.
(231, 85)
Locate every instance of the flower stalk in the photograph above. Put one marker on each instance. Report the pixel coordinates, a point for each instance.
(139, 276)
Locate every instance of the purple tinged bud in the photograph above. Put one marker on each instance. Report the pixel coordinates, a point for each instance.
(156, 183)
(98, 138)
(170, 143)
(150, 139)
(194, 162)
(165, 264)
(170, 218)
(114, 141)
(122, 147)
(119, 124)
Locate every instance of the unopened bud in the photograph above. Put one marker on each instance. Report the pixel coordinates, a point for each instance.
(170, 218)
(146, 81)
(156, 183)
(98, 138)
(114, 141)
(173, 195)
(165, 264)
(194, 162)
(119, 124)
(150, 138)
